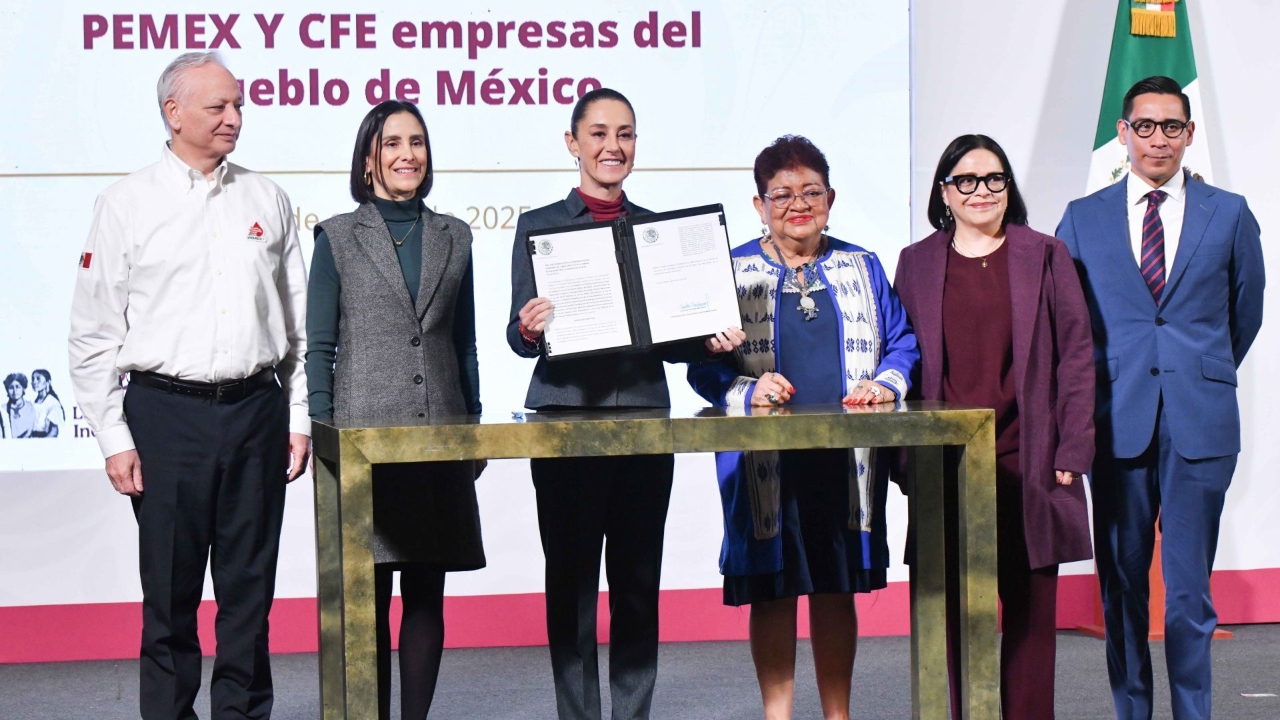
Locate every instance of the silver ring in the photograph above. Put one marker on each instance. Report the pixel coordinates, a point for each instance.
(771, 398)
(874, 390)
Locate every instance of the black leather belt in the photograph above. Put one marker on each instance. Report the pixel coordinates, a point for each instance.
(223, 392)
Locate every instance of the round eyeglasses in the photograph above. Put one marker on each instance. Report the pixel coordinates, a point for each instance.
(968, 184)
(1146, 128)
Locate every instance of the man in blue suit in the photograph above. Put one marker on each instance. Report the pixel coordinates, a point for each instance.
(1172, 271)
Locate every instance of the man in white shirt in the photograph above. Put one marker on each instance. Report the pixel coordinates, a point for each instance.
(1173, 274)
(192, 282)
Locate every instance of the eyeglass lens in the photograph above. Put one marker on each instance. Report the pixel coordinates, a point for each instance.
(968, 184)
(783, 198)
(1147, 128)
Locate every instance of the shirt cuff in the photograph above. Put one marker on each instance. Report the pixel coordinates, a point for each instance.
(738, 398)
(115, 440)
(895, 380)
(299, 420)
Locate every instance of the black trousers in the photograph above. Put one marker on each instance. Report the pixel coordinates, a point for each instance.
(213, 490)
(581, 502)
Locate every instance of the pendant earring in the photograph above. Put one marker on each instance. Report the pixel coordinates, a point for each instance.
(368, 178)
(949, 217)
(764, 232)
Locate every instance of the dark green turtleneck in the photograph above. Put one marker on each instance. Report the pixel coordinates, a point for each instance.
(323, 309)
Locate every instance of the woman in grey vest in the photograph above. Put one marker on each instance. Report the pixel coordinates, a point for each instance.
(581, 501)
(391, 338)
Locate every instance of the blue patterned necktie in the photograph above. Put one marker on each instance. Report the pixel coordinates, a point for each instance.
(1152, 263)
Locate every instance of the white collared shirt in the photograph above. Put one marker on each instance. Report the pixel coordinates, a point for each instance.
(198, 279)
(1172, 211)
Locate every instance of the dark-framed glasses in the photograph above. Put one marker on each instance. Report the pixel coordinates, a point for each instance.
(1146, 128)
(968, 184)
(783, 198)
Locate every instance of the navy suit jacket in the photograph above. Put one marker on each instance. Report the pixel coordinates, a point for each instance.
(1186, 348)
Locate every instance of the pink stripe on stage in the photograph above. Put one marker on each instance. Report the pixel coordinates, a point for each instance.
(108, 631)
(112, 631)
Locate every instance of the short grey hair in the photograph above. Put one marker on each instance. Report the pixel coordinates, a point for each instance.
(172, 82)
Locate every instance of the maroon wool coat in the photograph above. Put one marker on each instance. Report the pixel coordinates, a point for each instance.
(1053, 376)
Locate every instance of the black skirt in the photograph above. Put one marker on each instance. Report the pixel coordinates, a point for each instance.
(426, 513)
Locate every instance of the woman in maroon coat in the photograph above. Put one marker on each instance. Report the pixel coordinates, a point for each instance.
(1002, 323)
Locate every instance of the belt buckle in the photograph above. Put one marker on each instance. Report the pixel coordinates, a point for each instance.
(229, 392)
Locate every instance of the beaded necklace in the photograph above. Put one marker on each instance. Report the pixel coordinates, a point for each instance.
(803, 279)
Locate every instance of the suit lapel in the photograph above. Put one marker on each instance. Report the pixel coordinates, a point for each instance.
(932, 274)
(437, 248)
(1026, 274)
(375, 240)
(1113, 233)
(1195, 220)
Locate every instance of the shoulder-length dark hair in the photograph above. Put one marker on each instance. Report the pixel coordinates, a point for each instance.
(1015, 212)
(369, 142)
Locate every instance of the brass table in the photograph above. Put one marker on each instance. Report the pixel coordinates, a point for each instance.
(344, 516)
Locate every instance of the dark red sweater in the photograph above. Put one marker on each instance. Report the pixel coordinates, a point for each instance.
(977, 340)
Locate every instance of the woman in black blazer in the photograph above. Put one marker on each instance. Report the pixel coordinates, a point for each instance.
(581, 501)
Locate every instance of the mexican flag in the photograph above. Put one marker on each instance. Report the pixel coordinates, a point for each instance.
(1150, 38)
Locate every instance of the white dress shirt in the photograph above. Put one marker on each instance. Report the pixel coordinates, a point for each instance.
(1172, 211)
(199, 279)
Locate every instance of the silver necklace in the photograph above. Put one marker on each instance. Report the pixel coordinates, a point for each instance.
(803, 279)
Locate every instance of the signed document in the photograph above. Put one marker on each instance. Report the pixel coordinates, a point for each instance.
(687, 276)
(632, 283)
(578, 272)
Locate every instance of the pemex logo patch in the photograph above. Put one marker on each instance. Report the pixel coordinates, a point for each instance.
(255, 233)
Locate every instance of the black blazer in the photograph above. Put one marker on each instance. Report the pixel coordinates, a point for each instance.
(616, 380)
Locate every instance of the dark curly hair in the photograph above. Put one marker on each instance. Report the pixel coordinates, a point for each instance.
(789, 152)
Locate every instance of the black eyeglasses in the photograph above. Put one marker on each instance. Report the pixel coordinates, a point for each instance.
(1146, 128)
(968, 184)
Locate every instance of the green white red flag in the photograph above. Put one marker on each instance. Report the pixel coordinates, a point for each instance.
(1150, 39)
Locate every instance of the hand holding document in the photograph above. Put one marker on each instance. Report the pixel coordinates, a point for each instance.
(578, 272)
(634, 283)
(687, 276)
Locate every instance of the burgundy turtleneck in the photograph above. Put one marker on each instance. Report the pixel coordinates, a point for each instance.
(602, 209)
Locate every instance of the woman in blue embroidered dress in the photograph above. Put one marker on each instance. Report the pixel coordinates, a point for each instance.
(823, 325)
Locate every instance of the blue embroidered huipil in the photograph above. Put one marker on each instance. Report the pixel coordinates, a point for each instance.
(875, 342)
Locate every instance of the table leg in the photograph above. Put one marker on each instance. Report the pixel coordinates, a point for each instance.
(344, 532)
(329, 588)
(979, 666)
(929, 696)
